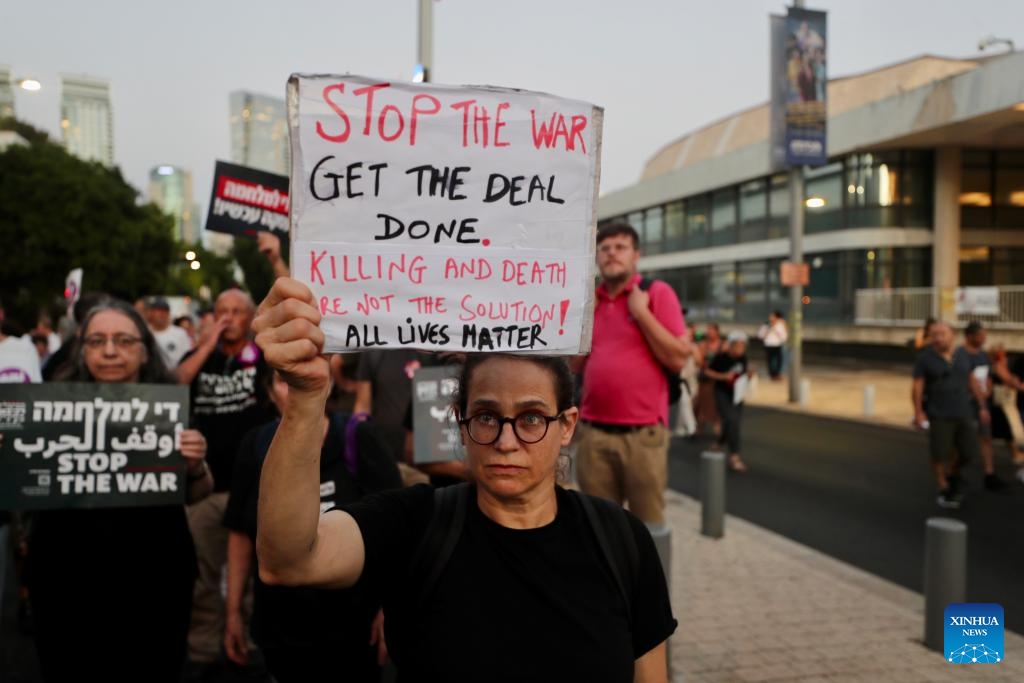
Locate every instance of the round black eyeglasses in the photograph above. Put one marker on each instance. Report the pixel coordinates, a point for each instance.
(529, 427)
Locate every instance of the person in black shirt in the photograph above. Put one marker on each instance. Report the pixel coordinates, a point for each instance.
(726, 368)
(524, 594)
(305, 634)
(111, 588)
(942, 406)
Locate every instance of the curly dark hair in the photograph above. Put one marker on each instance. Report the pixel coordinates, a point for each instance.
(152, 371)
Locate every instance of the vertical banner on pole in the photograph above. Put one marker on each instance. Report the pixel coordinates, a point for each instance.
(799, 88)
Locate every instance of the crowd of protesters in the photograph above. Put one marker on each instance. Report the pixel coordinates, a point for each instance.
(310, 543)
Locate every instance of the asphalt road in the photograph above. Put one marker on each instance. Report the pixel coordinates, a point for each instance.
(861, 494)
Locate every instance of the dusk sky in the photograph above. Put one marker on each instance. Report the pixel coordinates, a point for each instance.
(660, 68)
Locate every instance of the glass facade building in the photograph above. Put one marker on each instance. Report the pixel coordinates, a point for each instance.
(259, 132)
(170, 188)
(87, 121)
(6, 93)
(914, 195)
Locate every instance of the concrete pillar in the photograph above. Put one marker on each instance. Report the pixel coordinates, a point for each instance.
(712, 494)
(945, 574)
(946, 238)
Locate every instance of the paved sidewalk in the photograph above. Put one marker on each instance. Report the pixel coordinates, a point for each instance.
(838, 391)
(755, 606)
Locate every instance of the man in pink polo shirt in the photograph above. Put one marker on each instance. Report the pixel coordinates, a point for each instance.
(638, 334)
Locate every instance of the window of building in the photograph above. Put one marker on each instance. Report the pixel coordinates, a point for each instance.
(723, 217)
(778, 296)
(751, 291)
(675, 226)
(636, 219)
(753, 211)
(1009, 190)
(723, 292)
(697, 209)
(654, 231)
(778, 206)
(976, 189)
(872, 189)
(915, 188)
(824, 198)
(824, 292)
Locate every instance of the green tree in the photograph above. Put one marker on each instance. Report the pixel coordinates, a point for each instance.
(58, 212)
(259, 276)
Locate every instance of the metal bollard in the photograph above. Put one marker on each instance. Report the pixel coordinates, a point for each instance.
(712, 494)
(869, 400)
(945, 574)
(805, 392)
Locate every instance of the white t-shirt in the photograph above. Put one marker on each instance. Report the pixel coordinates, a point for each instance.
(174, 342)
(775, 335)
(19, 361)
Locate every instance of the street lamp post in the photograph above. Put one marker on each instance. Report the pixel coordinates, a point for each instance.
(425, 44)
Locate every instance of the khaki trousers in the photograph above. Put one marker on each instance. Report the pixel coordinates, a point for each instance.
(628, 466)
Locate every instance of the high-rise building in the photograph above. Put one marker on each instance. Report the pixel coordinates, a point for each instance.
(6, 93)
(170, 188)
(87, 119)
(259, 139)
(259, 132)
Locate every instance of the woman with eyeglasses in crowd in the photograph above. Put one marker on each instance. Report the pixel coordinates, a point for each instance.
(111, 588)
(524, 594)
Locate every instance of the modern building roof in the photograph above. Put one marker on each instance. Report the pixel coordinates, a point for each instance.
(926, 101)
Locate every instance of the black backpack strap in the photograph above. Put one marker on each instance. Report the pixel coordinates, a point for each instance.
(615, 539)
(438, 543)
(645, 283)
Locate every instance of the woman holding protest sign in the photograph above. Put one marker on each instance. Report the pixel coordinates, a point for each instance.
(111, 588)
(508, 578)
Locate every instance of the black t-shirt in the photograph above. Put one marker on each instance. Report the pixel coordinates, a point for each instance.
(723, 362)
(390, 372)
(284, 616)
(947, 393)
(511, 604)
(228, 398)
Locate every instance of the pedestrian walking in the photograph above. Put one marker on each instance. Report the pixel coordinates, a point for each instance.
(731, 373)
(942, 405)
(774, 334)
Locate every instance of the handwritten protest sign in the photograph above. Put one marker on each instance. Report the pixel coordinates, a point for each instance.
(247, 200)
(435, 432)
(444, 218)
(91, 445)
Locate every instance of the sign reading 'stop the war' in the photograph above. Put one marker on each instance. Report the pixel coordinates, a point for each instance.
(444, 218)
(91, 445)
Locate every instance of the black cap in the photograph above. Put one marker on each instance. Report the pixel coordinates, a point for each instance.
(159, 302)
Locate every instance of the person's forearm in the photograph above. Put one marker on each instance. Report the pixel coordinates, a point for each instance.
(239, 569)
(189, 368)
(290, 488)
(364, 398)
(917, 397)
(199, 482)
